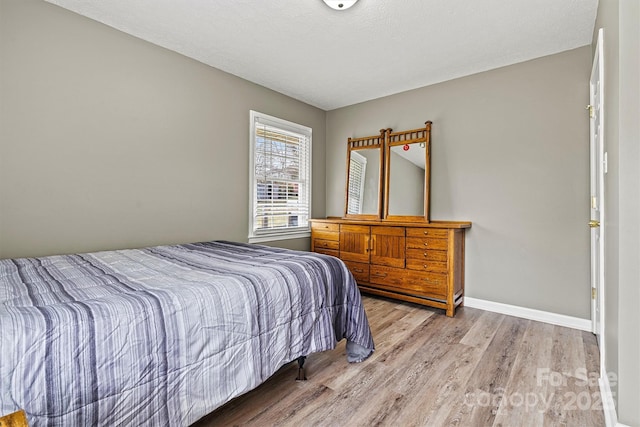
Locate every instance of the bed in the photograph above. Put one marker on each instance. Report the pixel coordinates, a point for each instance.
(164, 335)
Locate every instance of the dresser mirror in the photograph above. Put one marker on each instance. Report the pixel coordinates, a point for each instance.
(407, 175)
(389, 176)
(406, 180)
(364, 177)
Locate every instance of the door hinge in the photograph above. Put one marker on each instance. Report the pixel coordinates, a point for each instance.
(590, 108)
(594, 293)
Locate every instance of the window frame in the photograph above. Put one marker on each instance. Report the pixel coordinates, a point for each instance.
(255, 235)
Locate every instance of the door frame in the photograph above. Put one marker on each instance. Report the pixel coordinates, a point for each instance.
(597, 172)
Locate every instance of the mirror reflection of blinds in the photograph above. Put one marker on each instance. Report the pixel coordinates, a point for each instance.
(357, 171)
(282, 179)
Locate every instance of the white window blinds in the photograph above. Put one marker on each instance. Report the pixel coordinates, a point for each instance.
(281, 177)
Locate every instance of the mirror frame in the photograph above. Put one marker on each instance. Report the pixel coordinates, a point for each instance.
(367, 142)
(394, 139)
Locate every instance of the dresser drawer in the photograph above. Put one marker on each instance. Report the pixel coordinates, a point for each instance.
(427, 284)
(325, 231)
(431, 285)
(324, 226)
(427, 243)
(427, 254)
(427, 232)
(325, 244)
(327, 252)
(359, 270)
(422, 265)
(387, 275)
(325, 235)
(427, 260)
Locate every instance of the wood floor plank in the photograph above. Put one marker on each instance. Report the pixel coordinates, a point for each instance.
(396, 324)
(354, 398)
(591, 355)
(483, 393)
(483, 330)
(429, 405)
(382, 405)
(526, 395)
(574, 401)
(432, 370)
(292, 408)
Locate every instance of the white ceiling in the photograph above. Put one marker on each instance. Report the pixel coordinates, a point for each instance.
(331, 59)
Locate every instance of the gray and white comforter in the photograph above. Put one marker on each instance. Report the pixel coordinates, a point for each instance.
(164, 335)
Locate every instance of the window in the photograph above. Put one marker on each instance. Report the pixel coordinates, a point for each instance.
(357, 172)
(280, 168)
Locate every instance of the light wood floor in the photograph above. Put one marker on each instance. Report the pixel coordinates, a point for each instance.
(476, 369)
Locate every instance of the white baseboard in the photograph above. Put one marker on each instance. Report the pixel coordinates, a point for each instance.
(529, 313)
(608, 405)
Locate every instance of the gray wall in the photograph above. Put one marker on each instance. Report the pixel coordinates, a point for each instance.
(510, 152)
(621, 21)
(629, 287)
(107, 141)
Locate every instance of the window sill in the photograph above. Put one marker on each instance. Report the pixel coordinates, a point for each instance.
(282, 236)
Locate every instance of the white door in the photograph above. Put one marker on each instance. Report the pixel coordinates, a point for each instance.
(598, 169)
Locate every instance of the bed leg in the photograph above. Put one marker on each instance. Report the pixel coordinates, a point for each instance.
(301, 376)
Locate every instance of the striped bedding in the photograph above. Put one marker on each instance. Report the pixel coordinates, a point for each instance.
(164, 335)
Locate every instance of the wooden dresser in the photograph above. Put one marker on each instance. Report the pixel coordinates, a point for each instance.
(417, 262)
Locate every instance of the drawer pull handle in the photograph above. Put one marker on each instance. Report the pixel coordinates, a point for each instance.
(324, 244)
(426, 232)
(425, 266)
(380, 274)
(358, 270)
(425, 243)
(425, 254)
